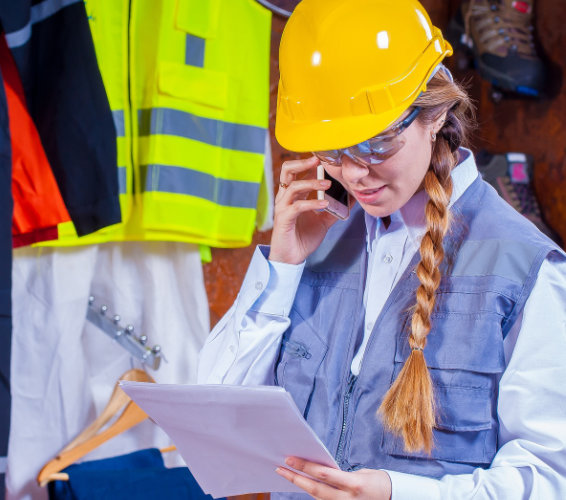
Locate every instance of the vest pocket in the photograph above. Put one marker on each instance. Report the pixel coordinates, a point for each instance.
(465, 431)
(199, 85)
(198, 17)
(183, 75)
(300, 358)
(464, 367)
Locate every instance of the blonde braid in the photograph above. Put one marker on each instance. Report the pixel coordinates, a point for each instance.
(408, 408)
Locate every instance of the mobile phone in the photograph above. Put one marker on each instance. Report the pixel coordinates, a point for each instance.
(338, 198)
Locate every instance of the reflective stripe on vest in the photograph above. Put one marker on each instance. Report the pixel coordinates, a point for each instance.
(122, 179)
(194, 50)
(118, 116)
(214, 132)
(170, 179)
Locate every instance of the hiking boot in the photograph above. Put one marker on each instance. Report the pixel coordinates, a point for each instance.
(511, 175)
(500, 35)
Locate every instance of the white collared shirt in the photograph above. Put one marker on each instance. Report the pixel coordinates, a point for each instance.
(531, 460)
(391, 249)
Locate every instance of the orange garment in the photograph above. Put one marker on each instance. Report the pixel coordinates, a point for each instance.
(38, 206)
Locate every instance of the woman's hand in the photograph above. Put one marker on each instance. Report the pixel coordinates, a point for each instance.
(299, 225)
(329, 483)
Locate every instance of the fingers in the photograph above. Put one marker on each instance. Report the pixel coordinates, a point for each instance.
(300, 189)
(328, 483)
(286, 218)
(299, 225)
(291, 169)
(293, 200)
(314, 488)
(334, 477)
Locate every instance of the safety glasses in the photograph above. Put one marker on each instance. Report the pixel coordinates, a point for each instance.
(375, 150)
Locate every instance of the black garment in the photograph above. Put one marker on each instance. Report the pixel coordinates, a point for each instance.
(5, 276)
(54, 52)
(140, 475)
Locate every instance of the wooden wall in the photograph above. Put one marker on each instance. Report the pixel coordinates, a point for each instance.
(531, 126)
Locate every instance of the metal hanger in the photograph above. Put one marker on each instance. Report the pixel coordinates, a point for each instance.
(99, 315)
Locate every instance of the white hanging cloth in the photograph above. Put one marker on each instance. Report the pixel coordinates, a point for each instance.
(64, 368)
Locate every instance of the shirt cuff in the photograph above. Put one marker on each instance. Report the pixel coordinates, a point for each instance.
(279, 294)
(410, 486)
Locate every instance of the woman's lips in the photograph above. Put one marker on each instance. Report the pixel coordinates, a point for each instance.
(368, 195)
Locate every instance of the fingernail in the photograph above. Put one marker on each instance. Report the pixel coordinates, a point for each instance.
(325, 183)
(290, 461)
(322, 203)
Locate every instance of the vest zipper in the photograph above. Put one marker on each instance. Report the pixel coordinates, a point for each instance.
(133, 140)
(347, 396)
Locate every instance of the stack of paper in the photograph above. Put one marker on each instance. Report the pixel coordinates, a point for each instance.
(232, 438)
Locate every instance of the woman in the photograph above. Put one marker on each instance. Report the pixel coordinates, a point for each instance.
(424, 337)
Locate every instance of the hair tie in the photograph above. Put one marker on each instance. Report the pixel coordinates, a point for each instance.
(416, 349)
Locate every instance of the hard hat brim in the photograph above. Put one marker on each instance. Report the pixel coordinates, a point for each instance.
(332, 134)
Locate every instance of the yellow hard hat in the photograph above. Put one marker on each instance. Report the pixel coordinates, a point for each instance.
(349, 68)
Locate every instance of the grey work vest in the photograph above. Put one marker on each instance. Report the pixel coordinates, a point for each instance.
(494, 255)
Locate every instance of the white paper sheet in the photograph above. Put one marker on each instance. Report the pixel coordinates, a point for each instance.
(232, 437)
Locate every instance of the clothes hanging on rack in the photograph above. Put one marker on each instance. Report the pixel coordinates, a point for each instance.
(38, 206)
(140, 475)
(189, 124)
(53, 50)
(191, 115)
(71, 365)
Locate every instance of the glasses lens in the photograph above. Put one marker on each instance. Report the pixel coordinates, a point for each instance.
(331, 157)
(376, 150)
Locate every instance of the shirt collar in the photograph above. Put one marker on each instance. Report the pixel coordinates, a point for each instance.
(412, 215)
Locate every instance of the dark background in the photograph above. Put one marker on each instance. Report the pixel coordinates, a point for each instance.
(535, 127)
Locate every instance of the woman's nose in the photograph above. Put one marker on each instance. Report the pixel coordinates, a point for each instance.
(352, 172)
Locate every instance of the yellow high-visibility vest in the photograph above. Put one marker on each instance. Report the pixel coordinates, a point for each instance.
(188, 85)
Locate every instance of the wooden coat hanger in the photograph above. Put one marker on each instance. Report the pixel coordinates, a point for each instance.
(118, 400)
(91, 438)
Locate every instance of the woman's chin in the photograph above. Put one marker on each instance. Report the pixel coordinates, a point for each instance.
(377, 209)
